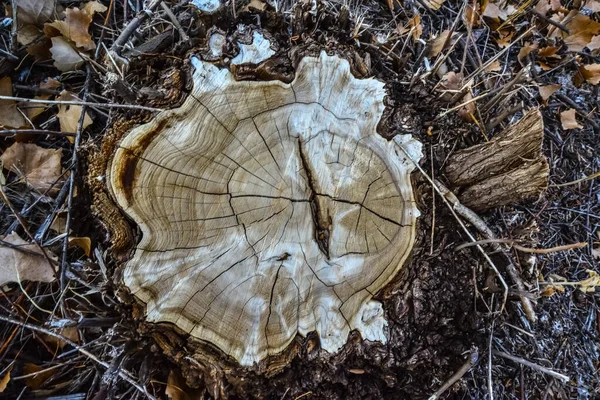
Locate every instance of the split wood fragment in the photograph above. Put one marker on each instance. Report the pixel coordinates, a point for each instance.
(507, 169)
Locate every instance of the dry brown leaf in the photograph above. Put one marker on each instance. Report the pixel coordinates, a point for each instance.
(568, 120)
(591, 73)
(542, 6)
(40, 50)
(550, 290)
(32, 110)
(581, 31)
(40, 167)
(177, 389)
(548, 51)
(74, 28)
(505, 38)
(525, 50)
(35, 381)
(596, 253)
(494, 67)
(27, 265)
(437, 44)
(471, 16)
(66, 58)
(433, 4)
(547, 90)
(92, 7)
(27, 34)
(10, 116)
(34, 12)
(5, 379)
(70, 332)
(555, 5)
(417, 28)
(68, 116)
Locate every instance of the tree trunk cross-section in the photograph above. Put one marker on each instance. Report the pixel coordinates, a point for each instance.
(268, 209)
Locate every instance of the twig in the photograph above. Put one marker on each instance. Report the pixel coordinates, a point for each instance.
(485, 230)
(587, 178)
(14, 28)
(65, 247)
(489, 377)
(472, 360)
(530, 364)
(435, 185)
(82, 103)
(124, 374)
(132, 26)
(491, 103)
(183, 36)
(13, 132)
(548, 20)
(523, 248)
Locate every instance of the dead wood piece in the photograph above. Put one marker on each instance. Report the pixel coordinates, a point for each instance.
(507, 169)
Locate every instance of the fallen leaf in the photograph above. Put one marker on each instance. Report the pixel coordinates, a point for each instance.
(74, 28)
(70, 332)
(27, 265)
(494, 11)
(40, 167)
(526, 50)
(590, 284)
(34, 12)
(550, 290)
(32, 110)
(177, 389)
(84, 243)
(547, 90)
(568, 120)
(471, 16)
(35, 380)
(591, 73)
(40, 49)
(581, 31)
(10, 116)
(27, 34)
(437, 44)
(68, 115)
(433, 4)
(66, 58)
(5, 379)
(542, 6)
(417, 28)
(505, 38)
(594, 44)
(596, 253)
(92, 7)
(548, 51)
(494, 67)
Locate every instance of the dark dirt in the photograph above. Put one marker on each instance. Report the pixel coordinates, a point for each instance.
(443, 305)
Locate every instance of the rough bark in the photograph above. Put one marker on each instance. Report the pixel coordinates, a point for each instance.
(507, 169)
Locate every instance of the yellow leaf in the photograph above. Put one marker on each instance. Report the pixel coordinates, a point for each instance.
(39, 376)
(568, 120)
(433, 4)
(417, 28)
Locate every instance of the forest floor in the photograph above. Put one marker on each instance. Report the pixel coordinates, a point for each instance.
(457, 73)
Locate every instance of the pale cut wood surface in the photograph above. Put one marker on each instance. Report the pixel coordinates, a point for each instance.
(268, 209)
